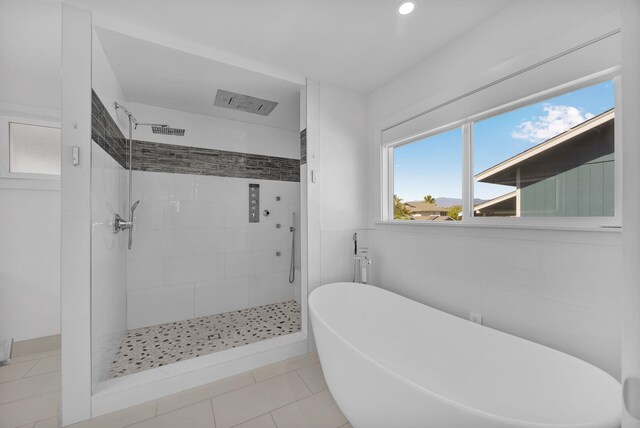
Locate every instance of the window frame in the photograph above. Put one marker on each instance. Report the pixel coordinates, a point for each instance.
(23, 180)
(468, 181)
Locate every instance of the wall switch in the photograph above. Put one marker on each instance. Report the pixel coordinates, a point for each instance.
(75, 155)
(475, 317)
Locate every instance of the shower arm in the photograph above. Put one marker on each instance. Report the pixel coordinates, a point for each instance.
(119, 223)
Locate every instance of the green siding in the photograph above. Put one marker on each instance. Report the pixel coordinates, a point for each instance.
(572, 192)
(609, 189)
(584, 191)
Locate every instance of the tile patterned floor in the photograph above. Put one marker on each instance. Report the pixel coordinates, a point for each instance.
(287, 394)
(30, 391)
(155, 346)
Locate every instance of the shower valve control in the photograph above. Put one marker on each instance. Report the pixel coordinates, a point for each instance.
(254, 203)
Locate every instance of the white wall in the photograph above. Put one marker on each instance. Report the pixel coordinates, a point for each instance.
(631, 206)
(30, 263)
(29, 214)
(109, 183)
(336, 151)
(75, 236)
(343, 179)
(557, 288)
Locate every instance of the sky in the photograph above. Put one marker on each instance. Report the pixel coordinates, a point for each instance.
(433, 166)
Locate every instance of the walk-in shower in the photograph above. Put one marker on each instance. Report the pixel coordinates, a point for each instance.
(194, 275)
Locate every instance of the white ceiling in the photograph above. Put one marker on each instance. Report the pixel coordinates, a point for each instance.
(152, 74)
(359, 44)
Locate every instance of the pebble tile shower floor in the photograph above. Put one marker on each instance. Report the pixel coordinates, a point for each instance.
(159, 345)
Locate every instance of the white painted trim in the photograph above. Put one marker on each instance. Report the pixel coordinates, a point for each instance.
(467, 168)
(462, 224)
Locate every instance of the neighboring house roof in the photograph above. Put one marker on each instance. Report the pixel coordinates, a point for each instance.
(416, 206)
(502, 205)
(505, 172)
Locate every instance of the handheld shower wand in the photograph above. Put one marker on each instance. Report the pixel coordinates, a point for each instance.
(292, 229)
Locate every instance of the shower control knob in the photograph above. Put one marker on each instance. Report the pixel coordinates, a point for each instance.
(266, 213)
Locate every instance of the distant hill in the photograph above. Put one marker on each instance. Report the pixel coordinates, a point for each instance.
(449, 202)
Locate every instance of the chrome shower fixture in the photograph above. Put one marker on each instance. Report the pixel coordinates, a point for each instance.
(118, 223)
(167, 130)
(292, 229)
(152, 125)
(156, 128)
(244, 103)
(162, 128)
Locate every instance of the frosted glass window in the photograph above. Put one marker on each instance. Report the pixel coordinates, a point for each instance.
(34, 149)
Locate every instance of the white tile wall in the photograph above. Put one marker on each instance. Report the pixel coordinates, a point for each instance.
(560, 290)
(108, 261)
(194, 249)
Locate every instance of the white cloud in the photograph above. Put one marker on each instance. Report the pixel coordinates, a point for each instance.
(556, 120)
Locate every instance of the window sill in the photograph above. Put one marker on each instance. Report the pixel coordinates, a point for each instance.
(556, 227)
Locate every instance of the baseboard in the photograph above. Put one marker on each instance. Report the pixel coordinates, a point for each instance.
(35, 346)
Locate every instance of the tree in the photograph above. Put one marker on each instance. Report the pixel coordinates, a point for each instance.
(400, 209)
(454, 212)
(430, 200)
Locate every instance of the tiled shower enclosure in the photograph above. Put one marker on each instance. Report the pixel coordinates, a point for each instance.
(195, 255)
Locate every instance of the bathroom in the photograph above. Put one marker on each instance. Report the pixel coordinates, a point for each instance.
(209, 188)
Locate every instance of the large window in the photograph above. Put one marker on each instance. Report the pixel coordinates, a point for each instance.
(552, 158)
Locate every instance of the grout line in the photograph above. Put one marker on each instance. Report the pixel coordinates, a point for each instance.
(303, 382)
(32, 367)
(273, 419)
(21, 377)
(213, 412)
(58, 391)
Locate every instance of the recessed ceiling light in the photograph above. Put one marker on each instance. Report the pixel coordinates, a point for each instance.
(406, 8)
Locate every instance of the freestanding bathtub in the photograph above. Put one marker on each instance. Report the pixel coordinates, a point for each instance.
(391, 362)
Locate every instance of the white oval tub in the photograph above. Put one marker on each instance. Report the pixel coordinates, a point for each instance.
(391, 362)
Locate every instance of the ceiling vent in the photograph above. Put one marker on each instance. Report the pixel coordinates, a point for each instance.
(244, 103)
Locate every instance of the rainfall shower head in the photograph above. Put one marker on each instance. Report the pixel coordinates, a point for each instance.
(245, 103)
(167, 130)
(163, 129)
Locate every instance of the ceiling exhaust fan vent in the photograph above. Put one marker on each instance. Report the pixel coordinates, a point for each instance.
(245, 103)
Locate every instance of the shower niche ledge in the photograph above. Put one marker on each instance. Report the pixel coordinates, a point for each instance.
(122, 392)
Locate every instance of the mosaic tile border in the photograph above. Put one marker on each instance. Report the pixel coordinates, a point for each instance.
(149, 347)
(171, 158)
(303, 146)
(106, 133)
